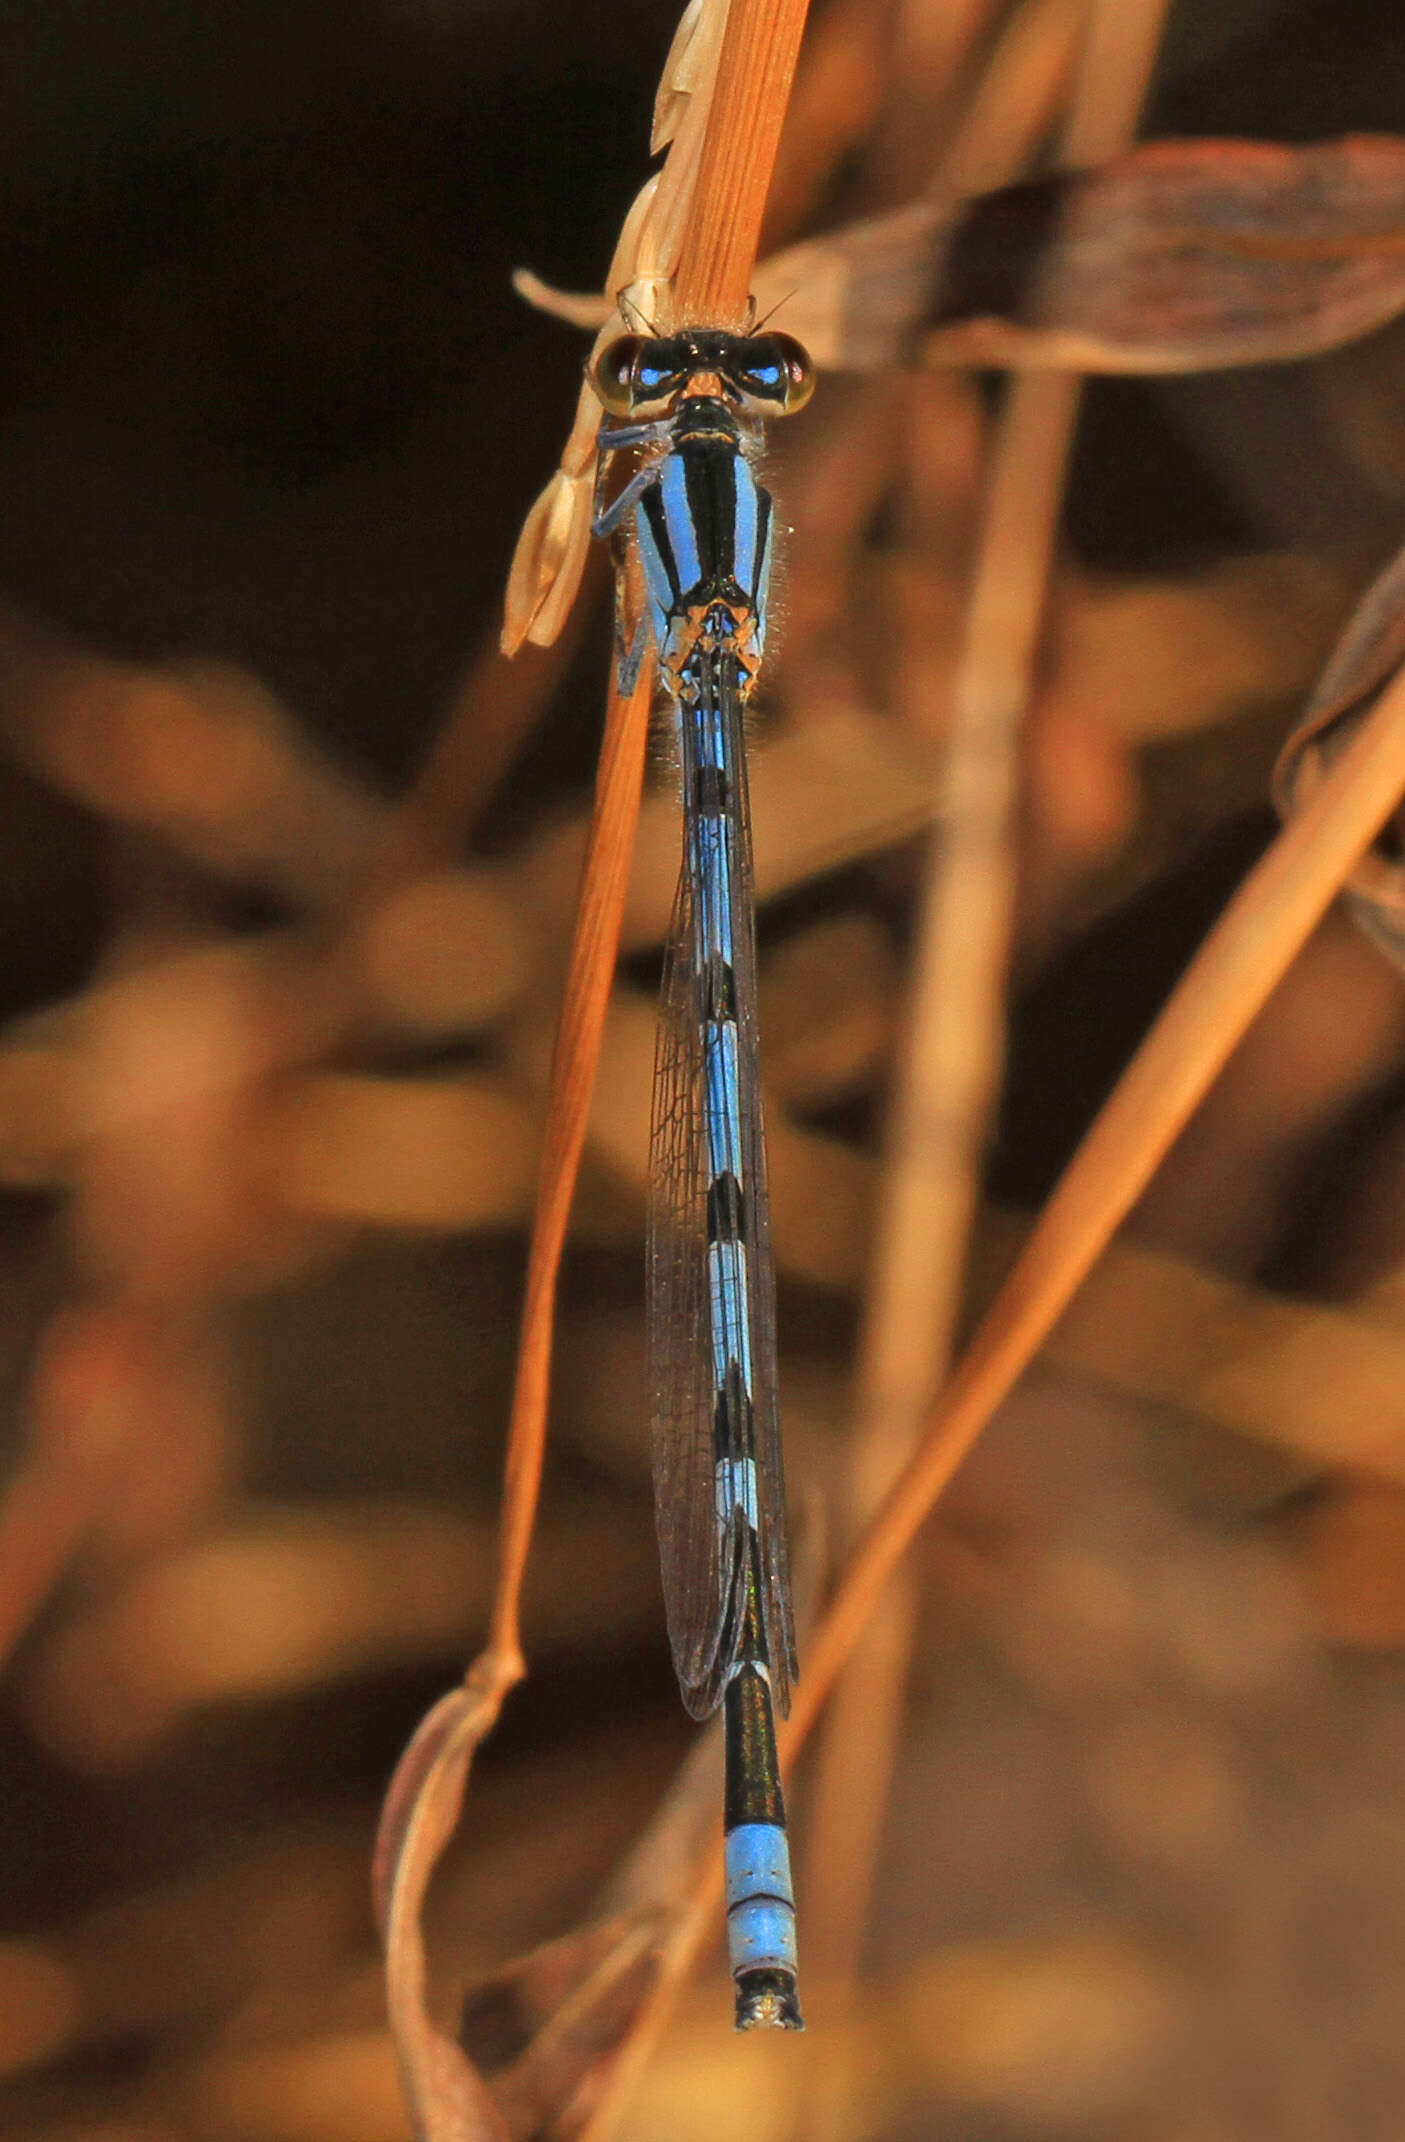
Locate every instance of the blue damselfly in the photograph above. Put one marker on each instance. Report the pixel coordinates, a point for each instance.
(689, 407)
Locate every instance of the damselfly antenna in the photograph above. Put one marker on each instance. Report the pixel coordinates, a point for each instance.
(757, 325)
(624, 305)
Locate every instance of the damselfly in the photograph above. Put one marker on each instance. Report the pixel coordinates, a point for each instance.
(689, 406)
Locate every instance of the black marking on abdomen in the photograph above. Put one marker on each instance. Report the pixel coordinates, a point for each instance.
(753, 1790)
(733, 1432)
(711, 791)
(726, 1209)
(719, 991)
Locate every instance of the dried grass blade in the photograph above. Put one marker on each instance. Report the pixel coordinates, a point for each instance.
(1227, 984)
(447, 2097)
(1369, 654)
(588, 985)
(573, 2007)
(760, 46)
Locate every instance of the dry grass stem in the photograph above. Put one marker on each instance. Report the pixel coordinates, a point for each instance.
(1226, 986)
(951, 1063)
(426, 1797)
(1017, 101)
(590, 978)
(712, 282)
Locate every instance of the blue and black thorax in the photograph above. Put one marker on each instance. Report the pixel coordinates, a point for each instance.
(694, 403)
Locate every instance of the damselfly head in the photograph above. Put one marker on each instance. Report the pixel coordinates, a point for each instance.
(766, 375)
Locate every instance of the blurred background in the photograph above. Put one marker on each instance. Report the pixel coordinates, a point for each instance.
(287, 862)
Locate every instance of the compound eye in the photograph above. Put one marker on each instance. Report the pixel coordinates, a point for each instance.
(774, 372)
(798, 370)
(613, 374)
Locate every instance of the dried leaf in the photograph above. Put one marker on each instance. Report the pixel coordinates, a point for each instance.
(1368, 655)
(1180, 256)
(448, 2100)
(548, 2026)
(579, 308)
(685, 71)
(551, 551)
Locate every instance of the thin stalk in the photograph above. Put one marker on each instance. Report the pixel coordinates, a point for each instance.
(1241, 961)
(954, 1049)
(760, 46)
(449, 2101)
(589, 980)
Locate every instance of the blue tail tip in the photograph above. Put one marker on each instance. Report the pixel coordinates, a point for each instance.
(768, 1999)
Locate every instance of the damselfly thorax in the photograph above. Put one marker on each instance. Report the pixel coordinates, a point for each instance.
(692, 406)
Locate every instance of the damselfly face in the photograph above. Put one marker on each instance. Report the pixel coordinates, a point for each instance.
(643, 375)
